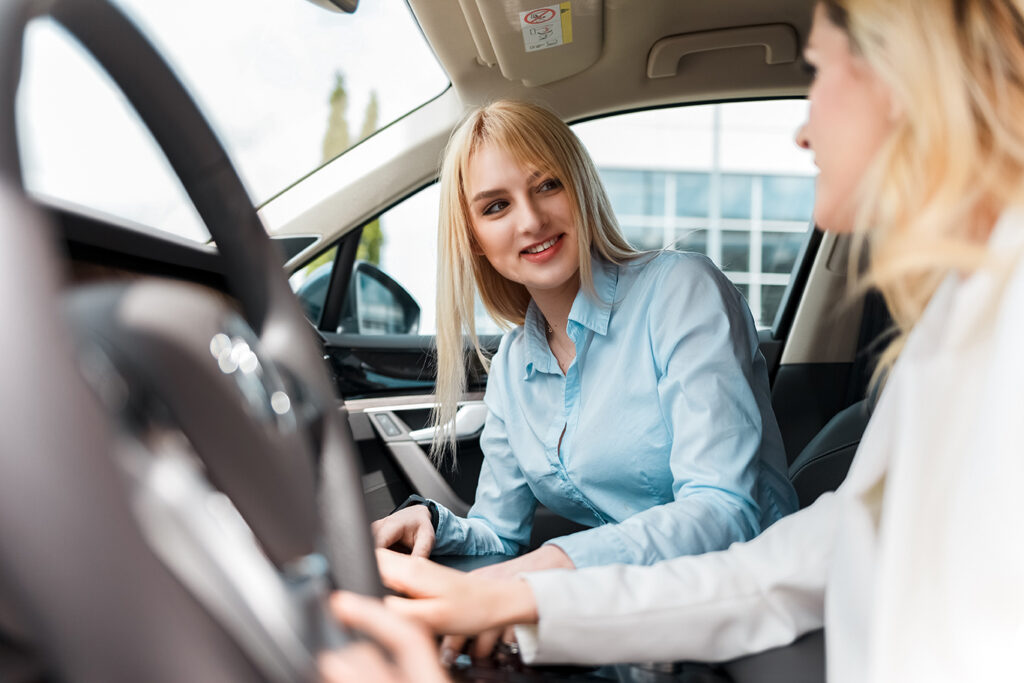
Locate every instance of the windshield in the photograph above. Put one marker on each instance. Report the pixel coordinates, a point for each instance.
(285, 84)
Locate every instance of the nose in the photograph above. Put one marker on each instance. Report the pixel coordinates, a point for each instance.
(802, 140)
(532, 217)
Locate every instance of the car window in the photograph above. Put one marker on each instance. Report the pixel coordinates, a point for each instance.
(286, 86)
(82, 143)
(310, 284)
(396, 269)
(725, 180)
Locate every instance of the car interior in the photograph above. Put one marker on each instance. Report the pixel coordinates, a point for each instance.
(197, 433)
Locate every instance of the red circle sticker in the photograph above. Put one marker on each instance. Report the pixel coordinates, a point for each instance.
(539, 16)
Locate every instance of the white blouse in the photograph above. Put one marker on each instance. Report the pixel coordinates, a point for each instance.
(915, 566)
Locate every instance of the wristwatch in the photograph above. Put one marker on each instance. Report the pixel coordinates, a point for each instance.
(420, 500)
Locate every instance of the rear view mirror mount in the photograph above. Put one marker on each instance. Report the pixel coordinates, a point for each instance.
(347, 6)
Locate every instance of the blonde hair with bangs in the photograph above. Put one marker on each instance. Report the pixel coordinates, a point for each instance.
(537, 140)
(955, 160)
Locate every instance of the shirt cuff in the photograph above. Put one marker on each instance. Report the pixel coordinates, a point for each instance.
(593, 548)
(446, 529)
(552, 600)
(529, 642)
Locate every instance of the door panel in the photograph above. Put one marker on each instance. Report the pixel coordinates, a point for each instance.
(370, 366)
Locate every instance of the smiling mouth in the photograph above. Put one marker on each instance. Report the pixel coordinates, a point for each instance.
(537, 248)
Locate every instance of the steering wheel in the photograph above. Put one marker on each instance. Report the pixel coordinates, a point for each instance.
(118, 558)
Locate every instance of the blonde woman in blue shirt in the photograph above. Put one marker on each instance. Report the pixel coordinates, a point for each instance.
(630, 396)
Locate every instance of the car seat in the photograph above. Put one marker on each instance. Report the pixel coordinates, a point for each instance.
(823, 463)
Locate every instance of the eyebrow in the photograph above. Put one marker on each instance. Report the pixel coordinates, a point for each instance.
(488, 194)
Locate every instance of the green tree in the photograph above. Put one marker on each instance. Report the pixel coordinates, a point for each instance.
(372, 239)
(370, 117)
(337, 140)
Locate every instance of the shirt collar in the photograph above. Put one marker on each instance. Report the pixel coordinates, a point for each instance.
(587, 311)
(593, 312)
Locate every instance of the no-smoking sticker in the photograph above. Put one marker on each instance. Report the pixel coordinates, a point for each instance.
(540, 16)
(546, 27)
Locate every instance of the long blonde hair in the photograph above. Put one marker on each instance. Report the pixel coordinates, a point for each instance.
(955, 159)
(536, 139)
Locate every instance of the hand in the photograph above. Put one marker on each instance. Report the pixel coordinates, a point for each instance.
(545, 557)
(413, 658)
(450, 601)
(410, 527)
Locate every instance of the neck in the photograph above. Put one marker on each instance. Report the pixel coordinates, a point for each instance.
(556, 303)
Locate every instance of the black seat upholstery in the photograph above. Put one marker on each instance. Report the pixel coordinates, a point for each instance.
(823, 463)
(820, 467)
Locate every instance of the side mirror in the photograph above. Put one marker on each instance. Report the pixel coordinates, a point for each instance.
(376, 304)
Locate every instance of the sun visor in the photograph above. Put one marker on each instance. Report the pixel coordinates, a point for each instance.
(536, 43)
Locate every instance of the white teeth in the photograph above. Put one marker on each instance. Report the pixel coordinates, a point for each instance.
(541, 247)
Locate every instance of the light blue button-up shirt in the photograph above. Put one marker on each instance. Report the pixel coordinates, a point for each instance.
(670, 446)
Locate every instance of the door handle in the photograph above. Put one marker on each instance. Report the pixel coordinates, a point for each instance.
(469, 421)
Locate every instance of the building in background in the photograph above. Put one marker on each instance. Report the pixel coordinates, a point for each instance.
(724, 180)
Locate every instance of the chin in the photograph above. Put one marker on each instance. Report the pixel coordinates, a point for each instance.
(833, 219)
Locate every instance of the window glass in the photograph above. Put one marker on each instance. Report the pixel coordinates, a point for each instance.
(687, 240)
(736, 191)
(286, 85)
(779, 251)
(691, 193)
(735, 250)
(81, 143)
(771, 297)
(733, 185)
(310, 284)
(667, 190)
(635, 192)
(786, 198)
(400, 248)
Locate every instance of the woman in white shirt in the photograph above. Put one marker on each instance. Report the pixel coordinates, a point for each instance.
(914, 566)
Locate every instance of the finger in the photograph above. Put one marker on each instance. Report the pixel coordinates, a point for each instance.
(484, 643)
(385, 534)
(422, 610)
(422, 543)
(509, 636)
(416, 576)
(409, 645)
(451, 648)
(357, 662)
(371, 617)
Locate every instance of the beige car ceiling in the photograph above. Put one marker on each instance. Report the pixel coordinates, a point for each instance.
(624, 33)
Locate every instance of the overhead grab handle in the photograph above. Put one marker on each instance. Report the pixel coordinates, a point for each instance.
(779, 42)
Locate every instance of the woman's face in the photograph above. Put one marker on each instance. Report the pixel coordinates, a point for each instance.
(523, 223)
(851, 114)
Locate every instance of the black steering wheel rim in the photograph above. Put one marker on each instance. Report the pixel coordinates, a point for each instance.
(250, 261)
